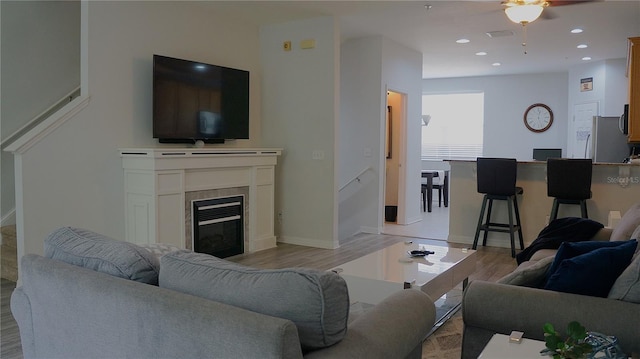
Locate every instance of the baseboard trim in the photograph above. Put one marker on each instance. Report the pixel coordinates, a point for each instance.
(413, 220)
(370, 230)
(491, 242)
(459, 239)
(263, 243)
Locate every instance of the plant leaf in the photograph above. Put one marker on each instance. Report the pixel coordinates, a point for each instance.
(576, 331)
(552, 341)
(548, 328)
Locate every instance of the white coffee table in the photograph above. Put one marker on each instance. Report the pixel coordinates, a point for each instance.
(499, 347)
(372, 278)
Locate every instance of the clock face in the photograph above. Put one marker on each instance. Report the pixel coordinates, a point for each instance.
(538, 117)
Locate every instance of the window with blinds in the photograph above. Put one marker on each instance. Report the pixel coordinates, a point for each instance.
(453, 127)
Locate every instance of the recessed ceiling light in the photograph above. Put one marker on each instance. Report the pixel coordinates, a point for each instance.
(576, 31)
(582, 46)
(586, 58)
(481, 53)
(496, 64)
(463, 41)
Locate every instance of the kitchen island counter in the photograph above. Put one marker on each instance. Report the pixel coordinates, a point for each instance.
(614, 187)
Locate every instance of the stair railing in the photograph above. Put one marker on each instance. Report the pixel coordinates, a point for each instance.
(356, 178)
(40, 118)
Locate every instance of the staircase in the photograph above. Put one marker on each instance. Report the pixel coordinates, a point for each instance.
(9, 254)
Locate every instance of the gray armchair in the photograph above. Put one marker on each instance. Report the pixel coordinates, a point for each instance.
(489, 308)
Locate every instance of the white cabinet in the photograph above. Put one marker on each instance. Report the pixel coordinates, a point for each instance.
(159, 181)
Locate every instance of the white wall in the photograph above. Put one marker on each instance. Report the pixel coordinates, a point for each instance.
(40, 57)
(370, 67)
(361, 120)
(40, 65)
(300, 111)
(610, 89)
(402, 72)
(506, 99)
(74, 176)
(617, 87)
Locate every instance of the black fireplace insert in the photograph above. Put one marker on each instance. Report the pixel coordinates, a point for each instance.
(218, 226)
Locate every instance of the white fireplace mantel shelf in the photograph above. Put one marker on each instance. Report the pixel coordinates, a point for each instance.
(156, 180)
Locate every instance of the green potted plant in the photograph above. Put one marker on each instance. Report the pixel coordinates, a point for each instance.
(573, 347)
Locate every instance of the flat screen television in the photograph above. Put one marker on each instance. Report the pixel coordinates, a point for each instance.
(196, 101)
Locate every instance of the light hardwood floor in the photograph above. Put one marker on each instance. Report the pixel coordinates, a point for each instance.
(10, 347)
(434, 225)
(492, 264)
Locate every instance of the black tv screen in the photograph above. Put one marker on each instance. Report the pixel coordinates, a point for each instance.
(197, 101)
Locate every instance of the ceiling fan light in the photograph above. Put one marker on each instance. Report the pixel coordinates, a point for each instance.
(523, 14)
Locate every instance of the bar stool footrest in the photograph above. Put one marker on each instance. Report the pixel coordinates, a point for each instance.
(502, 228)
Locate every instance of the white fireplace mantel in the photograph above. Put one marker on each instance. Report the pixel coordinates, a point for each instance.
(156, 180)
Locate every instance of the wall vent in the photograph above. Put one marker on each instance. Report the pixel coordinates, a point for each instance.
(502, 33)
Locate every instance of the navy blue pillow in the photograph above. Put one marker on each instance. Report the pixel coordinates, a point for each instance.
(592, 273)
(569, 250)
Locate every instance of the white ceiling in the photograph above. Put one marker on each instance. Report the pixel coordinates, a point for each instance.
(550, 45)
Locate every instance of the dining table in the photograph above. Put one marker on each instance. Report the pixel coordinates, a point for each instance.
(429, 175)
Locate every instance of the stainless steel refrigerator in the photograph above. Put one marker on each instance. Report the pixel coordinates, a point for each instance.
(606, 142)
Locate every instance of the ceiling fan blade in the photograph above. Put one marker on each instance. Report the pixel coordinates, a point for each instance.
(548, 14)
(568, 2)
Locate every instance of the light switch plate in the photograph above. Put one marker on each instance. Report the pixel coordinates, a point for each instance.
(307, 44)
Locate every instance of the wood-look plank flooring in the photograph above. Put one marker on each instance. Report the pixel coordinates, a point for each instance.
(9, 253)
(493, 263)
(10, 346)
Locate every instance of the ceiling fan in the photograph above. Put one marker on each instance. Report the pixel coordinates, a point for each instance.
(526, 11)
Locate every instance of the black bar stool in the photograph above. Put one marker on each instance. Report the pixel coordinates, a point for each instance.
(497, 180)
(569, 182)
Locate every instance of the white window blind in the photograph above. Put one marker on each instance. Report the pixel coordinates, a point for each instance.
(455, 127)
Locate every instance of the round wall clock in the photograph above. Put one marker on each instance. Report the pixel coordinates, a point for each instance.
(538, 117)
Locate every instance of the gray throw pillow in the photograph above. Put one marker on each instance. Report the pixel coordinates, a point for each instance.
(316, 301)
(636, 234)
(627, 225)
(627, 285)
(528, 274)
(91, 250)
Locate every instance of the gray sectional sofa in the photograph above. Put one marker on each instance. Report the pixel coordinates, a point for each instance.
(95, 297)
(517, 303)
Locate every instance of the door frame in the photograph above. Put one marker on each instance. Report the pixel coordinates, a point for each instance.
(399, 151)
